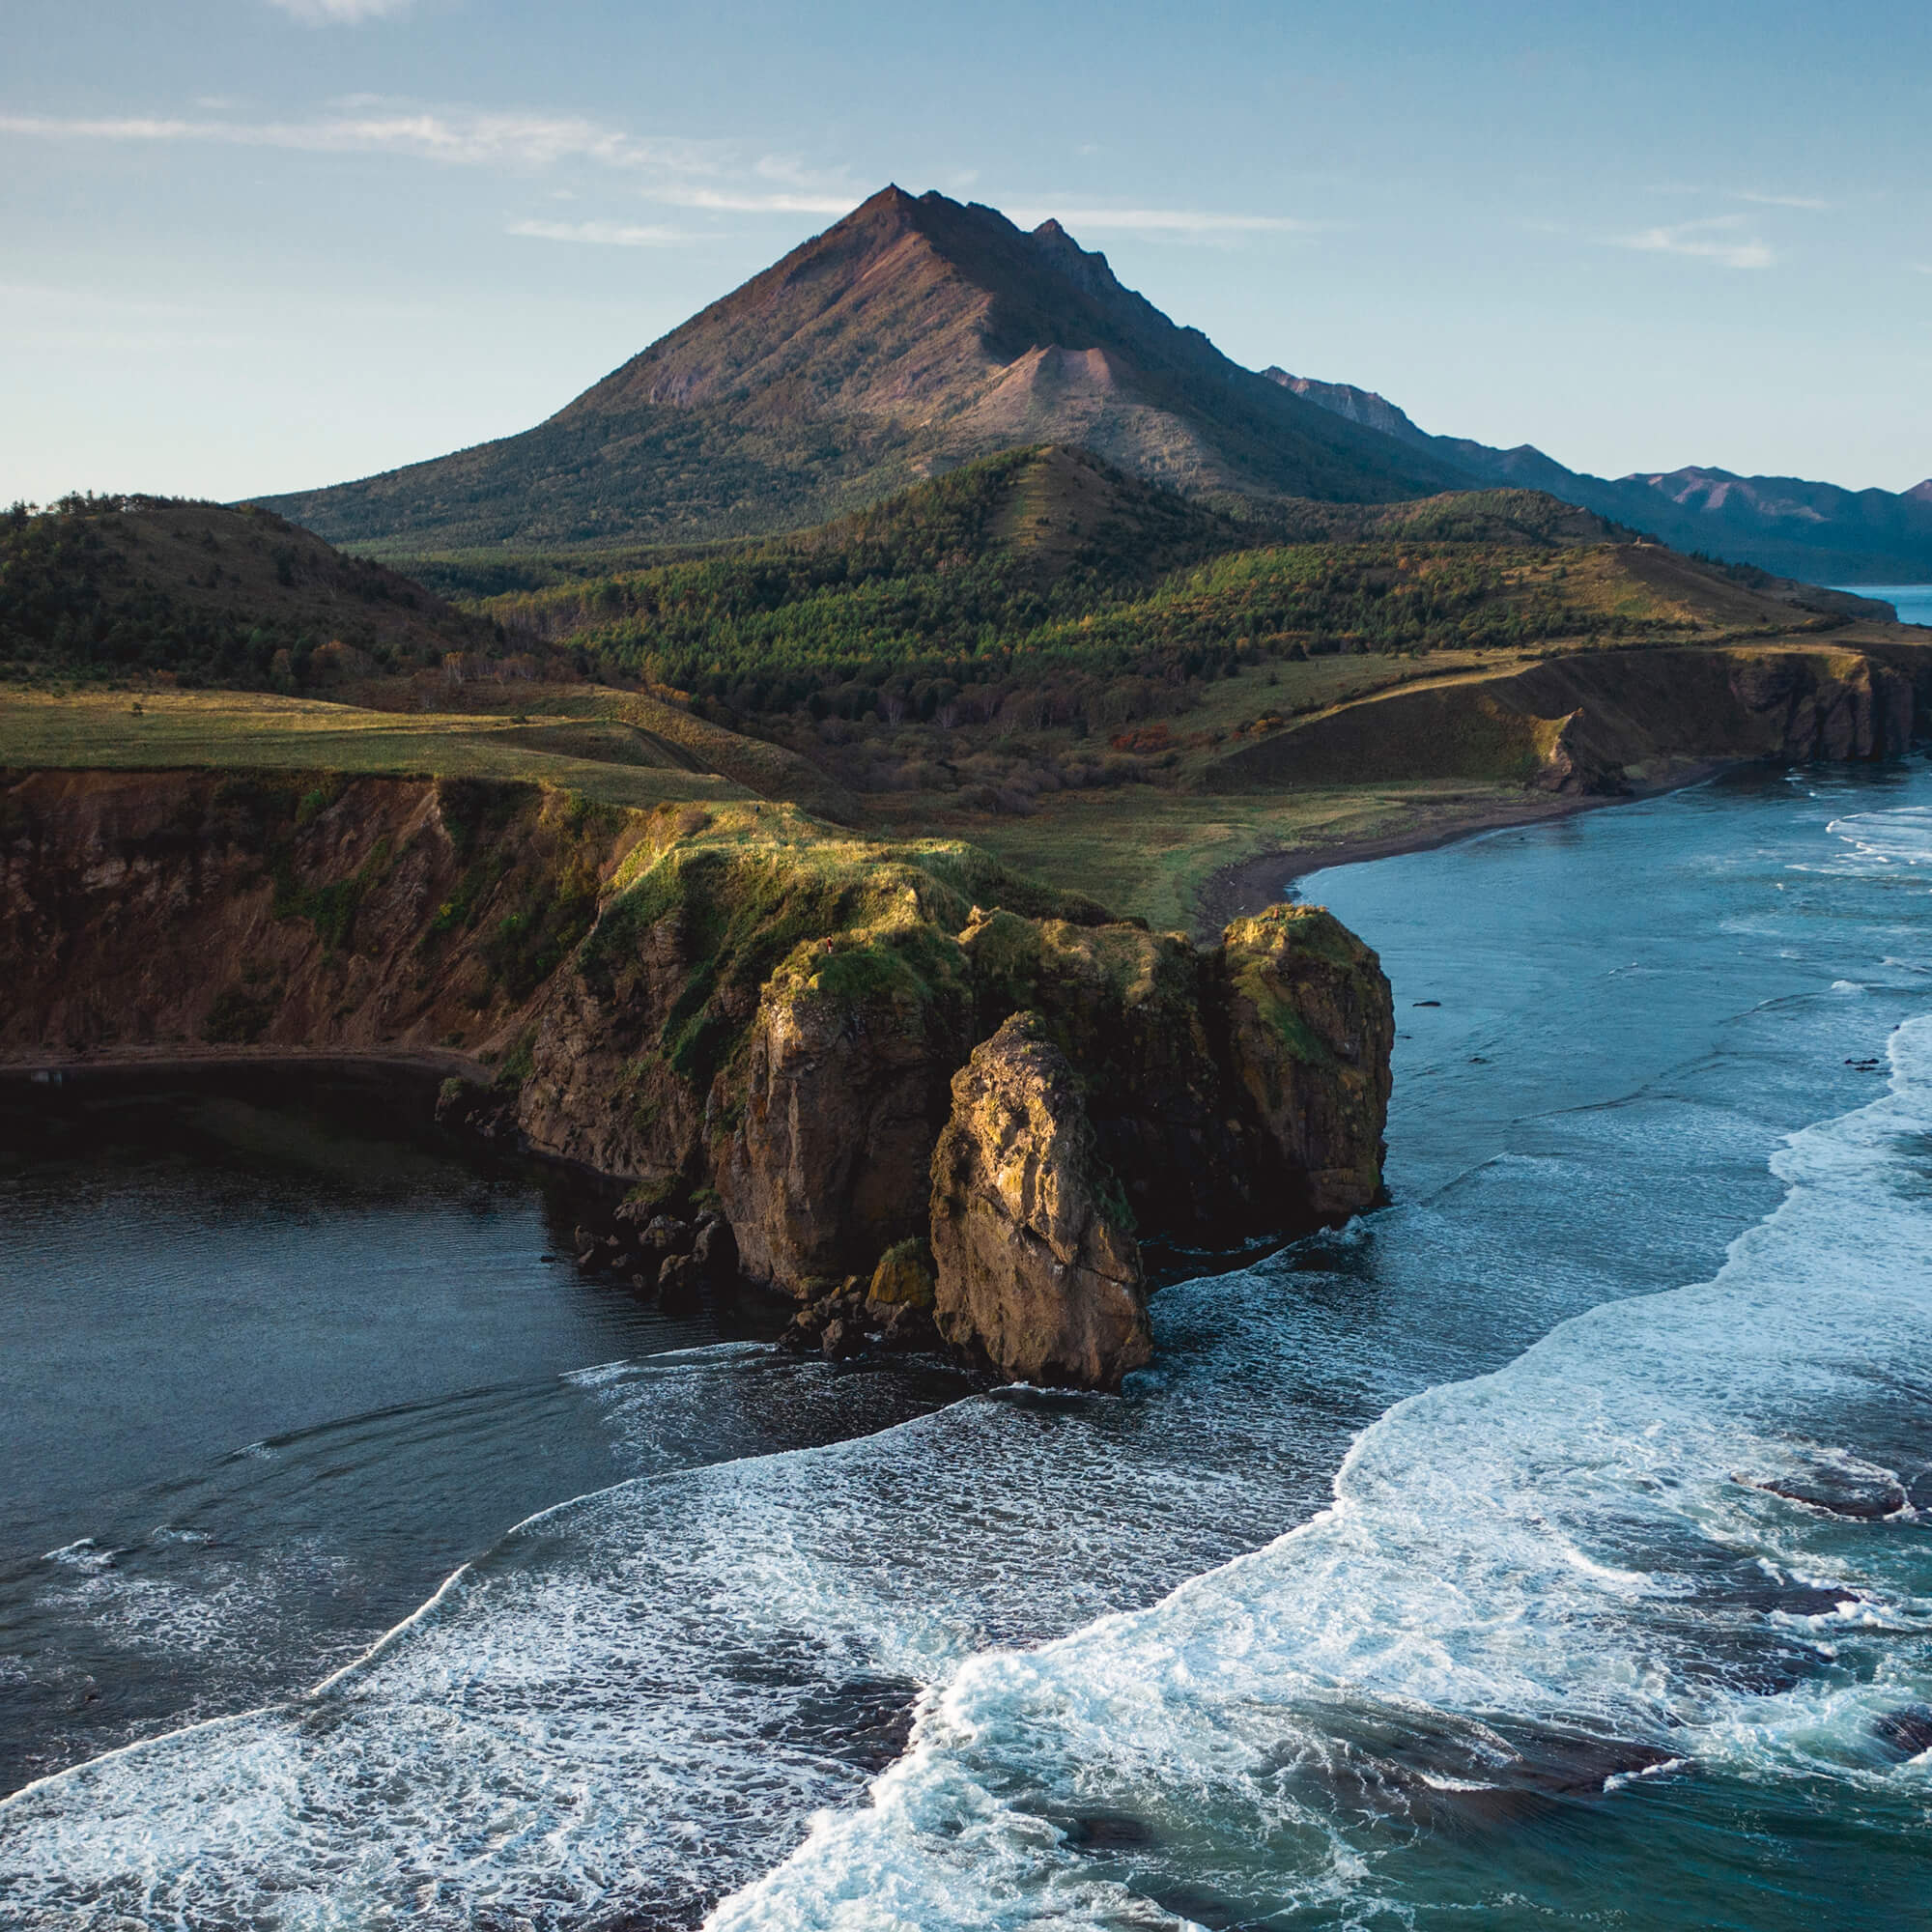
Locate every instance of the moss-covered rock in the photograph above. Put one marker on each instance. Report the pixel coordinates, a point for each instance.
(774, 1008)
(1310, 1027)
(1137, 1020)
(903, 1279)
(1038, 1267)
(843, 1088)
(767, 1014)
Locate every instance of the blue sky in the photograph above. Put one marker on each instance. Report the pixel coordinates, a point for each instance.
(256, 245)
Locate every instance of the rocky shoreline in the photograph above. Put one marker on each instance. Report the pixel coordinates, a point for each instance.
(926, 1098)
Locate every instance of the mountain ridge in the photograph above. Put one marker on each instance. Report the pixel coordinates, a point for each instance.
(1788, 524)
(919, 334)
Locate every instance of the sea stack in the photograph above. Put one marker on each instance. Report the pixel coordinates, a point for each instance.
(1038, 1268)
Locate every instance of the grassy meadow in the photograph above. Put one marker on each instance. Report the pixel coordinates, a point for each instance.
(248, 730)
(1094, 680)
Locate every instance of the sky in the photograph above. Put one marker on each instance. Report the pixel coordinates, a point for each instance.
(254, 246)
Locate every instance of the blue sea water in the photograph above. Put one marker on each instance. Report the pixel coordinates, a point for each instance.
(1544, 1548)
(1912, 601)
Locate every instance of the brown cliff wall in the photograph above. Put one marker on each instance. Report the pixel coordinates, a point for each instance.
(1581, 721)
(1038, 1266)
(155, 911)
(734, 1007)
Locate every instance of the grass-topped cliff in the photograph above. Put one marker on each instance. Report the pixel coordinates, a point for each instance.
(1101, 682)
(732, 1007)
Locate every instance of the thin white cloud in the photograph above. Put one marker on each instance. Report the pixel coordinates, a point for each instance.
(603, 233)
(460, 136)
(1714, 239)
(730, 201)
(792, 173)
(1168, 220)
(339, 13)
(1811, 204)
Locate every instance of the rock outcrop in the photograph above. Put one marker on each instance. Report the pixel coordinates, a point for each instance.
(1038, 1266)
(844, 1089)
(157, 912)
(1186, 1057)
(752, 1019)
(1311, 1028)
(1590, 721)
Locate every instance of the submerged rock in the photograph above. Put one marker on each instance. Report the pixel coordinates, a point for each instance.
(1038, 1266)
(1908, 1730)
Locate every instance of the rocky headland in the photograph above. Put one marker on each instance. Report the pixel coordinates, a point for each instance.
(926, 1098)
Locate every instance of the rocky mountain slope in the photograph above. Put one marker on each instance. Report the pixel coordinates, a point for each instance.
(918, 333)
(737, 1011)
(1814, 531)
(913, 335)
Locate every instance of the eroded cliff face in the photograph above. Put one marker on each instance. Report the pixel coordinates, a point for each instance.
(169, 910)
(1038, 1266)
(1594, 720)
(1196, 1061)
(735, 1007)
(843, 1090)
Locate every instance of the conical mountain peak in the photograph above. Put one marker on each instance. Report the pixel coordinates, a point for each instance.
(914, 333)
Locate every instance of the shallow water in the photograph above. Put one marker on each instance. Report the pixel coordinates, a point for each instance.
(1546, 1545)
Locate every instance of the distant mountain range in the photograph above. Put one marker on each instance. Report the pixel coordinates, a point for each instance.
(919, 334)
(1811, 530)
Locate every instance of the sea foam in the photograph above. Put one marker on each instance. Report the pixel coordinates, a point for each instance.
(1600, 1558)
(1568, 1544)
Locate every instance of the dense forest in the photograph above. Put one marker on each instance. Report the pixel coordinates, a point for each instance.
(1048, 569)
(1038, 590)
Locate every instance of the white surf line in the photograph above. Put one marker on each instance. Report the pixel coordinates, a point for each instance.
(423, 1612)
(742, 1909)
(54, 1777)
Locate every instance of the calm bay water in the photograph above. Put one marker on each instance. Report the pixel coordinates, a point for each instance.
(1912, 601)
(273, 1360)
(1545, 1546)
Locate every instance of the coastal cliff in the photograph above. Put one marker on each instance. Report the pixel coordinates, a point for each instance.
(736, 1011)
(1593, 721)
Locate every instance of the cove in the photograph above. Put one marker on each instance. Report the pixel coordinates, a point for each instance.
(1545, 1539)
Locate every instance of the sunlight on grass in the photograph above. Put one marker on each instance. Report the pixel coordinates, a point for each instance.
(238, 729)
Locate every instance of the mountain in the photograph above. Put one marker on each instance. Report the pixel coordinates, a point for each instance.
(109, 585)
(1781, 524)
(915, 335)
(1045, 587)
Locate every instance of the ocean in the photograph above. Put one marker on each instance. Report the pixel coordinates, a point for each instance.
(1545, 1546)
(1912, 601)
